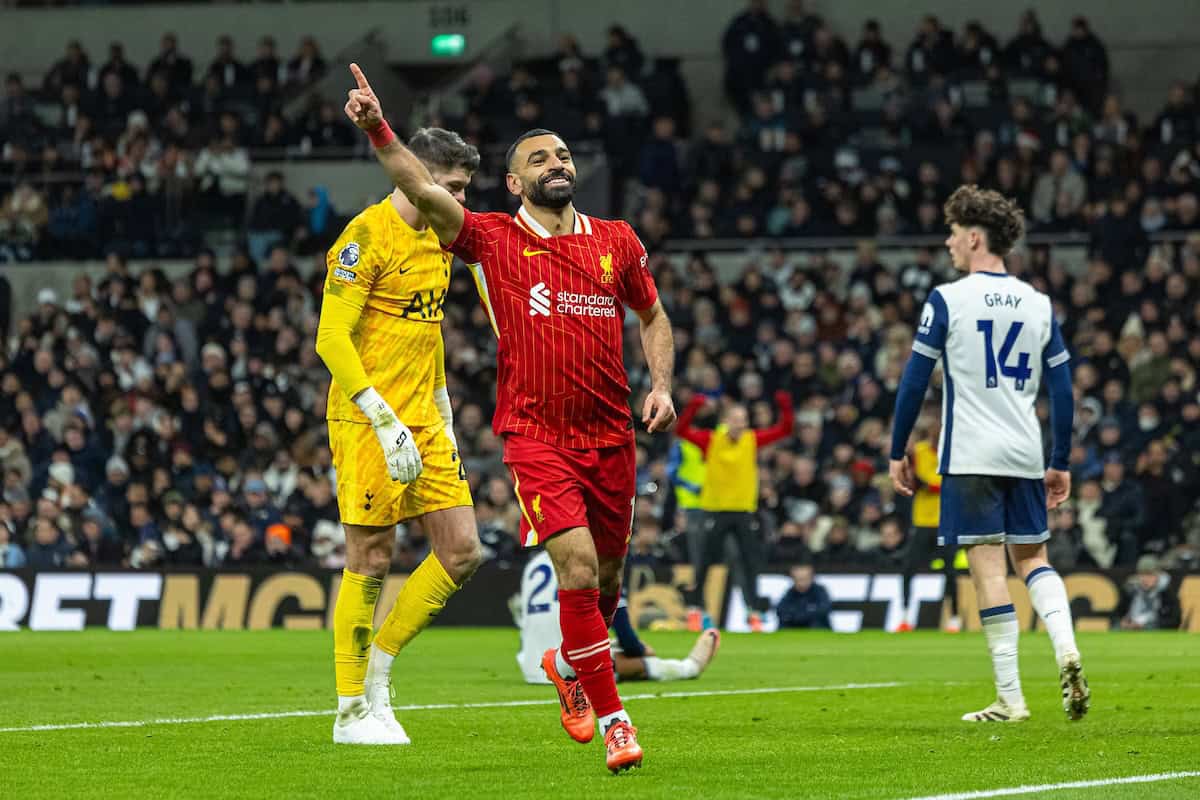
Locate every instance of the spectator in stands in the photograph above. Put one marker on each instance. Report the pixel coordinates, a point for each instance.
(170, 62)
(890, 555)
(307, 65)
(223, 171)
(659, 162)
(932, 51)
(327, 128)
(623, 51)
(96, 545)
(275, 217)
(1176, 123)
(792, 546)
(230, 74)
(71, 70)
(1165, 504)
(806, 604)
(1122, 508)
(1118, 237)
(1026, 52)
(1146, 604)
(12, 555)
(1061, 182)
(838, 550)
(266, 62)
(1085, 64)
(872, 53)
(750, 46)
(1065, 550)
(245, 547)
(117, 99)
(23, 219)
(17, 120)
(48, 549)
(117, 65)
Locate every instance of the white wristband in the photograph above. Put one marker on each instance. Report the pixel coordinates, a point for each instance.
(441, 399)
(372, 404)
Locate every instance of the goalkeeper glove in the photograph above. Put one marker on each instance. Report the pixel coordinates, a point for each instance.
(441, 399)
(399, 449)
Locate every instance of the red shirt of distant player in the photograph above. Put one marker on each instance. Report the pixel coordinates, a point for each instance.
(556, 304)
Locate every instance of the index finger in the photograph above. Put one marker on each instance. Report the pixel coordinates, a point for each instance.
(357, 72)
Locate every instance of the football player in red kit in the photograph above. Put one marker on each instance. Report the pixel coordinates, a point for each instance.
(555, 284)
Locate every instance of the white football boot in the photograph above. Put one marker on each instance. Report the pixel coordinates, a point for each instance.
(357, 725)
(999, 711)
(379, 699)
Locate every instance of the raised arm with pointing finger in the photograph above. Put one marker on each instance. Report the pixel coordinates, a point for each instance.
(443, 212)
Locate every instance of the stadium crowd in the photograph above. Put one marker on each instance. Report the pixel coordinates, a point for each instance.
(835, 138)
(148, 421)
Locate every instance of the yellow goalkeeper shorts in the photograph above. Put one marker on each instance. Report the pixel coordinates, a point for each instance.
(365, 493)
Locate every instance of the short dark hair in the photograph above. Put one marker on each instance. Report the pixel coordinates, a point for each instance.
(442, 149)
(529, 134)
(999, 217)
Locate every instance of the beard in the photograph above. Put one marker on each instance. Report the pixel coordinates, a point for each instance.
(556, 197)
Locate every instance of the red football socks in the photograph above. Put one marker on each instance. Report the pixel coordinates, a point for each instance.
(586, 647)
(608, 607)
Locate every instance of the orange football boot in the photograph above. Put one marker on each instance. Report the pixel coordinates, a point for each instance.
(577, 717)
(624, 752)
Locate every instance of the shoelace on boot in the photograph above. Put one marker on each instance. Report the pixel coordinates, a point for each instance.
(579, 701)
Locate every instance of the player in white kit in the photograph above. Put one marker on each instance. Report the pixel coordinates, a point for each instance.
(537, 617)
(998, 340)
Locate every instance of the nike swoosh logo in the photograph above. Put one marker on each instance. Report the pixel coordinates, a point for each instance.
(402, 271)
(528, 252)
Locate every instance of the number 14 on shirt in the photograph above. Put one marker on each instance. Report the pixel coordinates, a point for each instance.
(1020, 372)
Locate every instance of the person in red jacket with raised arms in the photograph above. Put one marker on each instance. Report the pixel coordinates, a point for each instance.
(729, 499)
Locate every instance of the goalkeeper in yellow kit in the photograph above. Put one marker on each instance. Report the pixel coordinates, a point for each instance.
(391, 433)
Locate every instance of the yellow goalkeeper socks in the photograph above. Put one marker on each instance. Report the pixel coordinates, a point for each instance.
(423, 595)
(352, 631)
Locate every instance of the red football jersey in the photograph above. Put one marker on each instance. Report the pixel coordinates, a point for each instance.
(557, 307)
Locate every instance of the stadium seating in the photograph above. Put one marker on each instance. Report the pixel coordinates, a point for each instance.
(139, 414)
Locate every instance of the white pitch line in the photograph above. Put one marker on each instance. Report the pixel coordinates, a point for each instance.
(140, 723)
(1051, 787)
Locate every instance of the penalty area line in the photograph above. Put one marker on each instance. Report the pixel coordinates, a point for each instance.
(1053, 787)
(141, 723)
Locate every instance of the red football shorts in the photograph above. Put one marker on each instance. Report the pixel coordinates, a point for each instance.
(559, 489)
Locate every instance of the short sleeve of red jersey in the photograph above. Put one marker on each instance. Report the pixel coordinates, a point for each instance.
(637, 289)
(471, 241)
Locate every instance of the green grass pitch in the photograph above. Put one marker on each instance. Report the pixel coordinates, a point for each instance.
(883, 742)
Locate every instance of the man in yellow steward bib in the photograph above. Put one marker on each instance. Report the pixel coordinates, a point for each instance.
(729, 496)
(392, 436)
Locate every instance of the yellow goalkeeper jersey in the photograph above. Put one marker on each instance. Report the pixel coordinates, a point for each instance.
(384, 291)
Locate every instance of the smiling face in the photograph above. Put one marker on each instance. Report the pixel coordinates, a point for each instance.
(542, 172)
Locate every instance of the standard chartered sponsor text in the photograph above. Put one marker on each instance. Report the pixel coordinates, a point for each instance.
(585, 305)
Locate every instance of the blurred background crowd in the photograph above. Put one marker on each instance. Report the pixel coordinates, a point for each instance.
(833, 135)
(148, 421)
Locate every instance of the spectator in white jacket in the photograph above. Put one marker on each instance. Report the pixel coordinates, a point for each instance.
(223, 172)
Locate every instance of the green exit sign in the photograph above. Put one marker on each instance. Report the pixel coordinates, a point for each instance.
(448, 45)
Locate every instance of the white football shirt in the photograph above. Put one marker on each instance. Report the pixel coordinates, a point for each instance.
(995, 335)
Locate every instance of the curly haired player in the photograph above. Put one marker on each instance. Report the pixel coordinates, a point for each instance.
(997, 338)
